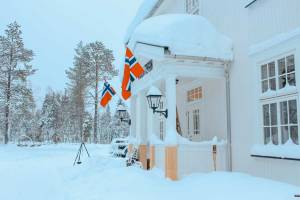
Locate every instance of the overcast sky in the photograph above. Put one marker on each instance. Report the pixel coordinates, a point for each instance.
(52, 28)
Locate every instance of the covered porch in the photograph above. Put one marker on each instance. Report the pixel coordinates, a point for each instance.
(195, 134)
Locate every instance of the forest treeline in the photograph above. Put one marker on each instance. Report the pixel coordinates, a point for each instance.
(71, 115)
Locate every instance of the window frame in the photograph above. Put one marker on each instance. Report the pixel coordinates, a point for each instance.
(194, 99)
(278, 96)
(279, 91)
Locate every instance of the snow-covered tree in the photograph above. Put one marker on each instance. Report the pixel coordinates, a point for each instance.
(15, 68)
(23, 116)
(100, 67)
(119, 128)
(78, 85)
(104, 126)
(51, 120)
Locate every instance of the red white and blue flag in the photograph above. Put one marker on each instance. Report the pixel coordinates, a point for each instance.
(132, 71)
(107, 94)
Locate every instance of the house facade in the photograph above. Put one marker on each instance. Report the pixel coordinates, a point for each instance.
(228, 72)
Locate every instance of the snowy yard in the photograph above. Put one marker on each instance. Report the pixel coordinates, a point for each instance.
(47, 173)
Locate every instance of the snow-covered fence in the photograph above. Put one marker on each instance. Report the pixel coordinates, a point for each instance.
(198, 157)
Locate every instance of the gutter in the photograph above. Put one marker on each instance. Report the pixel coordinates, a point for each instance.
(228, 111)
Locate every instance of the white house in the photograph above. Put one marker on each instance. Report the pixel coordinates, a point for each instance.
(228, 73)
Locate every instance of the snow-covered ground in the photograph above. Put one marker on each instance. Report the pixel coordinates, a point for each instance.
(46, 173)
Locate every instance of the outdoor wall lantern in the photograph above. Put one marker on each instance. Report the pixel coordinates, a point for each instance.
(121, 110)
(154, 100)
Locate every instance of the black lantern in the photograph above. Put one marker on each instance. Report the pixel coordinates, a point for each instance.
(121, 110)
(154, 100)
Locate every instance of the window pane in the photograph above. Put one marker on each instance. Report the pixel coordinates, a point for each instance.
(271, 69)
(272, 83)
(293, 111)
(273, 109)
(274, 132)
(264, 86)
(264, 72)
(291, 79)
(281, 66)
(267, 135)
(266, 115)
(284, 134)
(282, 81)
(290, 62)
(294, 134)
(283, 113)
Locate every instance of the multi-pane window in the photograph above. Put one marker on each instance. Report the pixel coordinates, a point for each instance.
(270, 123)
(161, 122)
(194, 94)
(161, 129)
(196, 121)
(268, 77)
(286, 71)
(289, 121)
(276, 74)
(192, 7)
(280, 116)
(280, 122)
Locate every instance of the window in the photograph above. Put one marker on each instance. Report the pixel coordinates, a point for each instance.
(268, 78)
(161, 129)
(286, 71)
(161, 122)
(280, 113)
(194, 94)
(188, 122)
(278, 74)
(192, 7)
(270, 123)
(289, 121)
(196, 121)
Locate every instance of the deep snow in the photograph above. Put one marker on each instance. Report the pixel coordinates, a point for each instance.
(47, 173)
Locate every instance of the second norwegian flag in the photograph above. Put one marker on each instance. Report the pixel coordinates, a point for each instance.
(107, 93)
(133, 70)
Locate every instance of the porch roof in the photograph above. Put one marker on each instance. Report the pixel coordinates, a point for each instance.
(183, 34)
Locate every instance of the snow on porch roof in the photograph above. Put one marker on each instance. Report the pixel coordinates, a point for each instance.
(183, 34)
(144, 11)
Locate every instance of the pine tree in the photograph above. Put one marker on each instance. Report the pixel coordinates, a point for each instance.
(104, 126)
(117, 127)
(78, 84)
(100, 68)
(23, 116)
(14, 69)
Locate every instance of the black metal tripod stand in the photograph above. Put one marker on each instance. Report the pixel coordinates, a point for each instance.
(77, 159)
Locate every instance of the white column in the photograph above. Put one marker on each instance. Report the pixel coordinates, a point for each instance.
(171, 133)
(138, 118)
(150, 128)
(133, 118)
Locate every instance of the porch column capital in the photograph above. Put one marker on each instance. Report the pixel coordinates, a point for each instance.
(171, 132)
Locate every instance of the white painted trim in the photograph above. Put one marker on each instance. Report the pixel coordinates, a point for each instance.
(276, 40)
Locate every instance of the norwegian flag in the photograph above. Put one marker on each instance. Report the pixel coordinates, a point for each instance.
(107, 94)
(132, 71)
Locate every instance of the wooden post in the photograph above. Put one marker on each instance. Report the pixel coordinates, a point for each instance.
(214, 152)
